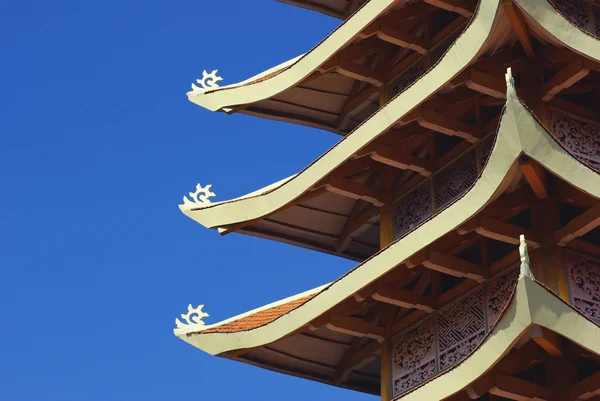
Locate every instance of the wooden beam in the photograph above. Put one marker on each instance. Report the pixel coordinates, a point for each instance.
(402, 160)
(575, 71)
(404, 298)
(359, 72)
(454, 266)
(449, 126)
(481, 386)
(402, 38)
(355, 327)
(519, 26)
(465, 8)
(579, 226)
(547, 339)
(354, 190)
(505, 232)
(536, 176)
(521, 359)
(587, 388)
(519, 389)
(486, 84)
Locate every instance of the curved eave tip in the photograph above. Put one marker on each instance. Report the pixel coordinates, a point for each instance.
(198, 97)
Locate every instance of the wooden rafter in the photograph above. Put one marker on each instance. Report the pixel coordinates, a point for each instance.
(499, 231)
(454, 266)
(402, 38)
(548, 340)
(519, 26)
(402, 160)
(355, 190)
(449, 126)
(579, 226)
(354, 327)
(587, 388)
(575, 71)
(404, 298)
(359, 72)
(536, 176)
(465, 8)
(519, 389)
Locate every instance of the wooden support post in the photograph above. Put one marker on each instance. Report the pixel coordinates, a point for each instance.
(549, 266)
(386, 354)
(386, 217)
(561, 372)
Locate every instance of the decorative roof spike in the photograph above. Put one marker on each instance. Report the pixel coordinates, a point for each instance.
(208, 81)
(200, 197)
(525, 262)
(193, 317)
(510, 80)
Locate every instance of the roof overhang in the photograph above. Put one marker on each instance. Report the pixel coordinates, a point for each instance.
(334, 8)
(519, 133)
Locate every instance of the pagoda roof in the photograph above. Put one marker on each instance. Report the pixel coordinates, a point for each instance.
(334, 8)
(300, 209)
(519, 133)
(327, 87)
(315, 218)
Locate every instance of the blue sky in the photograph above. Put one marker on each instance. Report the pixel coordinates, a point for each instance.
(98, 144)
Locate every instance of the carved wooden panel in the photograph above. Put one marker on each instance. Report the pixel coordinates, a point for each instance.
(497, 294)
(581, 139)
(413, 357)
(584, 283)
(409, 76)
(448, 336)
(460, 328)
(455, 179)
(575, 11)
(413, 209)
(440, 49)
(484, 148)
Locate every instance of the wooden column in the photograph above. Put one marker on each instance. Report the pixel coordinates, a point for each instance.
(549, 262)
(561, 372)
(386, 364)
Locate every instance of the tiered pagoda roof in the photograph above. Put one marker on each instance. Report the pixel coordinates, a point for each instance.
(465, 124)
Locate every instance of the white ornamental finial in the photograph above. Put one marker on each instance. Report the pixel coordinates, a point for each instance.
(510, 80)
(208, 81)
(525, 262)
(193, 317)
(200, 197)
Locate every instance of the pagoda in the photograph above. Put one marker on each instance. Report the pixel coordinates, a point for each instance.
(465, 184)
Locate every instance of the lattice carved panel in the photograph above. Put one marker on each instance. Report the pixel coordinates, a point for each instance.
(497, 295)
(440, 50)
(413, 209)
(455, 179)
(581, 139)
(460, 328)
(584, 283)
(414, 357)
(484, 149)
(410, 76)
(576, 11)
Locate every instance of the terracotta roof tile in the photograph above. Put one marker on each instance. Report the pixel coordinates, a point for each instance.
(259, 318)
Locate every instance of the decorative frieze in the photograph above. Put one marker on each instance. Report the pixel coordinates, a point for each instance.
(584, 283)
(497, 294)
(413, 209)
(409, 76)
(460, 328)
(582, 14)
(441, 189)
(455, 179)
(449, 335)
(580, 138)
(414, 357)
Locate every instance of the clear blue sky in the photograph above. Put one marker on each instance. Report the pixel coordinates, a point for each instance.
(98, 144)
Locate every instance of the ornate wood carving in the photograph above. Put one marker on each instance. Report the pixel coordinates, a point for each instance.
(582, 14)
(484, 148)
(414, 357)
(460, 328)
(455, 179)
(581, 139)
(413, 209)
(584, 283)
(409, 76)
(497, 294)
(444, 339)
